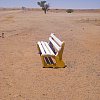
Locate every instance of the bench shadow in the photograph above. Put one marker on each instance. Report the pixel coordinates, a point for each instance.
(56, 67)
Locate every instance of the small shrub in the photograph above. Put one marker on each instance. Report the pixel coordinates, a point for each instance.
(69, 10)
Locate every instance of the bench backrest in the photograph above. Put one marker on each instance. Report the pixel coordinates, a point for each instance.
(56, 45)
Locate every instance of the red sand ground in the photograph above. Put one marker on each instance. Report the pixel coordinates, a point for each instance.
(21, 74)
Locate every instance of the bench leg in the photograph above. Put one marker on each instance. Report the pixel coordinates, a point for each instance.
(43, 61)
(59, 63)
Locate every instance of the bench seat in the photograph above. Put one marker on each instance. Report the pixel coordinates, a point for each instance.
(45, 49)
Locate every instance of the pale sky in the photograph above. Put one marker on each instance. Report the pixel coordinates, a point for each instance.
(75, 4)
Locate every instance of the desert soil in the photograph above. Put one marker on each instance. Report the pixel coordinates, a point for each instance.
(22, 76)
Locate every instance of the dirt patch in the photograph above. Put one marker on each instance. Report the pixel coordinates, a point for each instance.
(22, 76)
(91, 21)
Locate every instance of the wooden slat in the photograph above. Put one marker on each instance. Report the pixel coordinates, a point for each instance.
(51, 61)
(47, 60)
(47, 45)
(56, 39)
(54, 44)
(41, 48)
(45, 48)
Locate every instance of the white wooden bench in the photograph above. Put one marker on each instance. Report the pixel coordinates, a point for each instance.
(51, 53)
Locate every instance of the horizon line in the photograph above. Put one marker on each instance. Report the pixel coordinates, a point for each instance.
(50, 8)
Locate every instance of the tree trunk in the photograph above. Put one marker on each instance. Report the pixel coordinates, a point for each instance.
(45, 11)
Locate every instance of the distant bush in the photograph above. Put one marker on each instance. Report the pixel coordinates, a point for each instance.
(69, 10)
(23, 8)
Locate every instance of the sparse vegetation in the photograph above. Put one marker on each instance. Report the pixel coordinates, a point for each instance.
(69, 10)
(44, 5)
